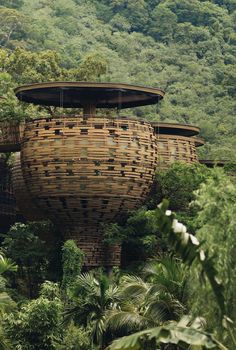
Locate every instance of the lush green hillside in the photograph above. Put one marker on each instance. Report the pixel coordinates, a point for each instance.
(185, 47)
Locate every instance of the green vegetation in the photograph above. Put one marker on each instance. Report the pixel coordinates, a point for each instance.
(177, 292)
(185, 47)
(176, 286)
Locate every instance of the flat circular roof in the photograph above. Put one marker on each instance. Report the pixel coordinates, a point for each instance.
(175, 129)
(198, 141)
(79, 94)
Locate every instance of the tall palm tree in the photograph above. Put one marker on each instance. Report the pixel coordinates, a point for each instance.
(152, 300)
(91, 298)
(169, 275)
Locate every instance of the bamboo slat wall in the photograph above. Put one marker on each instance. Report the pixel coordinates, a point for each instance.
(24, 202)
(83, 171)
(173, 148)
(10, 136)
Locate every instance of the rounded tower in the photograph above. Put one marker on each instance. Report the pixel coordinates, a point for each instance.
(176, 143)
(83, 170)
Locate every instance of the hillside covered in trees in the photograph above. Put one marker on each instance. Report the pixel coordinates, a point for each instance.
(185, 47)
(175, 286)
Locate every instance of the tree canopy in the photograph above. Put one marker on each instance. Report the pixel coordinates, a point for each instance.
(185, 47)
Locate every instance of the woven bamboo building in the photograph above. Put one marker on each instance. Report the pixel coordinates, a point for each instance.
(176, 143)
(85, 169)
(25, 205)
(10, 136)
(82, 170)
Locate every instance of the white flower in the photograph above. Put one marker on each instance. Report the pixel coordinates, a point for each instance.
(168, 212)
(178, 227)
(202, 255)
(185, 237)
(194, 240)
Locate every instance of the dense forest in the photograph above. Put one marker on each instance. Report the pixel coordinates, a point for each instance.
(186, 48)
(175, 289)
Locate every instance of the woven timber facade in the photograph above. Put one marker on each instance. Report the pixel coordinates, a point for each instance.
(176, 143)
(10, 136)
(172, 148)
(81, 171)
(84, 171)
(24, 202)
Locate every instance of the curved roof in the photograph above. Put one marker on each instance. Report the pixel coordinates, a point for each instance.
(175, 129)
(78, 94)
(199, 142)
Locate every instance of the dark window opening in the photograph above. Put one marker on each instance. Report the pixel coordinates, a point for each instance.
(69, 172)
(70, 126)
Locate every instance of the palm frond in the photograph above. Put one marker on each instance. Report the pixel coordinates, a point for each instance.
(85, 283)
(5, 343)
(167, 275)
(6, 302)
(118, 320)
(170, 333)
(6, 265)
(134, 287)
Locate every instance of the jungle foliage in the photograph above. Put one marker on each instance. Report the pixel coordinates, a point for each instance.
(176, 288)
(174, 293)
(185, 47)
